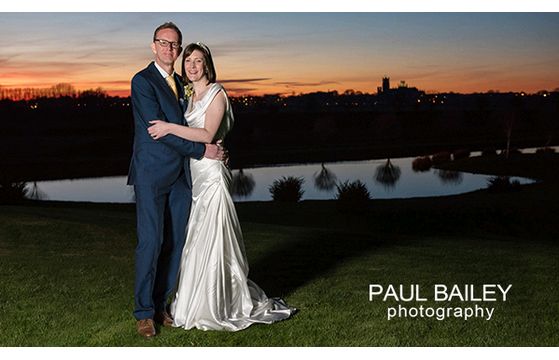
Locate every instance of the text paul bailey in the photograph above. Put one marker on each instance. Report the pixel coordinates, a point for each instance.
(439, 293)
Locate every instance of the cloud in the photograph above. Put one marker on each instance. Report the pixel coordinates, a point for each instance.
(244, 80)
(298, 83)
(108, 83)
(236, 91)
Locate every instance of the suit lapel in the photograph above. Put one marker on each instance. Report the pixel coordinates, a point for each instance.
(180, 88)
(164, 88)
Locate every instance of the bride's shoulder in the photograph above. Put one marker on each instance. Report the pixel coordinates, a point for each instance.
(217, 86)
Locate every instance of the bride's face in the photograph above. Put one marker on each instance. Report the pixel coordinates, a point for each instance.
(194, 66)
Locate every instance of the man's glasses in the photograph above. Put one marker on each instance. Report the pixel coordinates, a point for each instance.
(166, 44)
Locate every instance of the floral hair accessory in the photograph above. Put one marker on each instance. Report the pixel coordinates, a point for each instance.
(203, 46)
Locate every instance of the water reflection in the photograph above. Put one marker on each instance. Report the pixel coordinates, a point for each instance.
(132, 194)
(392, 178)
(242, 184)
(325, 180)
(449, 176)
(502, 184)
(33, 192)
(388, 174)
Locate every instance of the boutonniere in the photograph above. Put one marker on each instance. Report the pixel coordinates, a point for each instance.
(188, 91)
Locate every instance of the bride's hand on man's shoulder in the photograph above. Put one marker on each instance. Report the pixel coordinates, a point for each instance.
(158, 129)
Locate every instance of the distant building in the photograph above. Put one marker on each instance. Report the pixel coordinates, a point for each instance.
(402, 96)
(385, 84)
(385, 88)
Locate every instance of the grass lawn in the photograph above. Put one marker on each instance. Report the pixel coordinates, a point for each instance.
(67, 270)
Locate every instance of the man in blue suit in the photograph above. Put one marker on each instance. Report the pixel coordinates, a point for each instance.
(160, 173)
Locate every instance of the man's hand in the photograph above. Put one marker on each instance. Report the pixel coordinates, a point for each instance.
(216, 152)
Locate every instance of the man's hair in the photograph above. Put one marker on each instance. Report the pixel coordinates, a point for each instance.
(168, 25)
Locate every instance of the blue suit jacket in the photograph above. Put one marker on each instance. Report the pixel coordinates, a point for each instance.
(158, 163)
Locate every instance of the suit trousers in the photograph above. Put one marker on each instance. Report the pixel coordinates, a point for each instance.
(162, 216)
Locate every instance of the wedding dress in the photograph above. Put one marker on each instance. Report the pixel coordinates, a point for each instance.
(213, 291)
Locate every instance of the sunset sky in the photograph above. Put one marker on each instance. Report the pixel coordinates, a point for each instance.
(258, 53)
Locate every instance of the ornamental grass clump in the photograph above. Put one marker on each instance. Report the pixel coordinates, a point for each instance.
(352, 196)
(12, 192)
(287, 189)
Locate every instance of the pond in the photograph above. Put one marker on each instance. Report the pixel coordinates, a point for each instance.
(385, 179)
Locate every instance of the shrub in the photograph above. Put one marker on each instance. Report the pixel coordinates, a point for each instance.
(352, 196)
(441, 157)
(502, 184)
(12, 192)
(287, 189)
(460, 154)
(422, 164)
(545, 150)
(488, 152)
(512, 151)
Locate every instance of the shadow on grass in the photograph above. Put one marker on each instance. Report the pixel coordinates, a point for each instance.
(307, 257)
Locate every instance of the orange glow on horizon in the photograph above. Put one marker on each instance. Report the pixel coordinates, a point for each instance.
(291, 53)
(121, 88)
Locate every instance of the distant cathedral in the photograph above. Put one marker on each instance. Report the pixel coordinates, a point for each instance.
(385, 86)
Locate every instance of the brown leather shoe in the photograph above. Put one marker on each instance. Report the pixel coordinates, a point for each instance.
(146, 328)
(163, 318)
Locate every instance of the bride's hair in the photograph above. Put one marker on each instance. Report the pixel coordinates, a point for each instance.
(209, 67)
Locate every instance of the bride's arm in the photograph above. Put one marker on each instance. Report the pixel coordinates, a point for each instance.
(214, 114)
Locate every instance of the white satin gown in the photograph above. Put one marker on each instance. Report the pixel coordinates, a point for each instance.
(213, 291)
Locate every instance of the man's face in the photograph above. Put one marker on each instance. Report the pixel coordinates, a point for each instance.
(166, 55)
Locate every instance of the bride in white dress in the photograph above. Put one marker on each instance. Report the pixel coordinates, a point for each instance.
(213, 291)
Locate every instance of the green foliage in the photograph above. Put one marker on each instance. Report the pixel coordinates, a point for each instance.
(287, 189)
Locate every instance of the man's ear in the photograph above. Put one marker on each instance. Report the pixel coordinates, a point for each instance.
(153, 47)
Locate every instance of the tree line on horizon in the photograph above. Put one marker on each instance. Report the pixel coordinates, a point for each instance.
(55, 91)
(68, 90)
